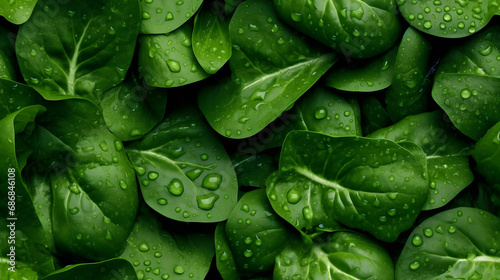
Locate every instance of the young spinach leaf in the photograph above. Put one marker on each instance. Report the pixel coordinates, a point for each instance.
(211, 41)
(253, 170)
(448, 18)
(272, 66)
(8, 63)
(77, 49)
(224, 258)
(22, 271)
(373, 115)
(159, 254)
(446, 151)
(467, 83)
(448, 245)
(168, 60)
(17, 11)
(341, 255)
(112, 269)
(132, 109)
(164, 16)
(184, 171)
(373, 185)
(355, 28)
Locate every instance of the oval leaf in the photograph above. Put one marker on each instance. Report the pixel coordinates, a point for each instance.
(163, 16)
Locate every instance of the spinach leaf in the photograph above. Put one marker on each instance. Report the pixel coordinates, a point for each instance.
(158, 254)
(373, 115)
(22, 271)
(373, 185)
(486, 154)
(272, 66)
(447, 246)
(341, 255)
(164, 16)
(253, 170)
(132, 109)
(467, 83)
(354, 28)
(8, 63)
(256, 234)
(93, 186)
(15, 96)
(448, 18)
(17, 11)
(77, 49)
(184, 171)
(211, 41)
(224, 258)
(364, 75)
(168, 60)
(112, 269)
(446, 151)
(408, 94)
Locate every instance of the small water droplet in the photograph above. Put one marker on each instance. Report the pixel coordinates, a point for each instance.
(297, 17)
(178, 269)
(414, 265)
(74, 211)
(153, 175)
(143, 247)
(162, 201)
(417, 240)
(293, 196)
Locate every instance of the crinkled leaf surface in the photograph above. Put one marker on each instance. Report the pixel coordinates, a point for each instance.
(95, 196)
(112, 269)
(163, 16)
(373, 185)
(446, 150)
(353, 28)
(157, 253)
(272, 66)
(167, 60)
(17, 11)
(467, 83)
(211, 42)
(184, 171)
(448, 18)
(77, 49)
(341, 255)
(132, 109)
(364, 75)
(409, 91)
(448, 245)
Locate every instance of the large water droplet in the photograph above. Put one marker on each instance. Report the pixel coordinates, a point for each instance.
(293, 196)
(143, 247)
(207, 201)
(212, 181)
(417, 240)
(320, 113)
(175, 187)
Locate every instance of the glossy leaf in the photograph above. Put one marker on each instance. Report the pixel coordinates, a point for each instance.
(364, 75)
(341, 255)
(211, 41)
(22, 271)
(446, 150)
(408, 94)
(164, 16)
(373, 185)
(157, 253)
(93, 186)
(184, 171)
(253, 170)
(17, 11)
(373, 115)
(15, 96)
(224, 258)
(85, 48)
(358, 29)
(448, 18)
(467, 83)
(256, 234)
(113, 269)
(8, 63)
(447, 245)
(132, 109)
(168, 60)
(271, 68)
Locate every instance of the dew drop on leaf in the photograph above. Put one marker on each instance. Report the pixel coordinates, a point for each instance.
(143, 247)
(212, 181)
(417, 240)
(175, 187)
(206, 201)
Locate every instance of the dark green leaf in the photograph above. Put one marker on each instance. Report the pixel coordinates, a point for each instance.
(225, 261)
(253, 170)
(113, 269)
(163, 16)
(373, 115)
(8, 63)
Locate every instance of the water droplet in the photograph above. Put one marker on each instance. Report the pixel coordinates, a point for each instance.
(33, 52)
(296, 17)
(146, 15)
(307, 212)
(417, 240)
(118, 145)
(212, 181)
(174, 65)
(428, 232)
(447, 17)
(143, 247)
(204, 156)
(175, 187)
(452, 229)
(194, 173)
(207, 201)
(162, 201)
(169, 16)
(74, 211)
(178, 269)
(140, 170)
(153, 175)
(293, 196)
(414, 265)
(427, 24)
(74, 188)
(486, 51)
(248, 253)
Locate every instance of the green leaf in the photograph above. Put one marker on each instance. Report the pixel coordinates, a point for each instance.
(95, 196)
(373, 115)
(159, 254)
(164, 16)
(8, 63)
(341, 255)
(211, 41)
(113, 269)
(22, 271)
(408, 94)
(448, 245)
(85, 48)
(364, 75)
(252, 170)
(168, 60)
(271, 68)
(467, 83)
(224, 258)
(17, 11)
(373, 185)
(15, 96)
(184, 171)
(132, 109)
(448, 18)
(356, 28)
(446, 150)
